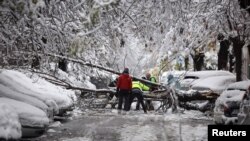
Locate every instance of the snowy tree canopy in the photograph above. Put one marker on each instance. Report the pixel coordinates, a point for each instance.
(117, 33)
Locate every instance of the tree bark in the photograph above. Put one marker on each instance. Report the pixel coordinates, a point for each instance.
(223, 55)
(184, 97)
(237, 50)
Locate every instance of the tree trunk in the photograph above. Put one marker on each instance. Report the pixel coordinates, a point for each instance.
(185, 97)
(237, 50)
(223, 55)
(231, 62)
(198, 61)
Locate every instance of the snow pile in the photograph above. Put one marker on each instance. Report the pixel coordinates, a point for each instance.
(10, 128)
(28, 115)
(55, 124)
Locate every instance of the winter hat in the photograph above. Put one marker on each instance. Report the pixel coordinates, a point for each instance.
(126, 70)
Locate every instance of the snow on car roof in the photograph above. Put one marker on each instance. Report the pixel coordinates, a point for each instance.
(28, 114)
(215, 83)
(241, 85)
(205, 74)
(22, 84)
(10, 93)
(40, 88)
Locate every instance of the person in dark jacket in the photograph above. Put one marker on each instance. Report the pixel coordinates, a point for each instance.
(137, 91)
(149, 104)
(123, 88)
(152, 79)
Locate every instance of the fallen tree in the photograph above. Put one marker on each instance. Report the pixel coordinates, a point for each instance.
(85, 63)
(184, 96)
(188, 100)
(163, 94)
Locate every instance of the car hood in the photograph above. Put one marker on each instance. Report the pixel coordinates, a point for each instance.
(230, 96)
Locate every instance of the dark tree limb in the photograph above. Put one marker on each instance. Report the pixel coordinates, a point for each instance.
(84, 63)
(62, 83)
(184, 97)
(209, 106)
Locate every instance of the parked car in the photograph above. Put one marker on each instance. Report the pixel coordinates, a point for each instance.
(191, 78)
(227, 106)
(56, 98)
(244, 111)
(20, 83)
(33, 120)
(12, 94)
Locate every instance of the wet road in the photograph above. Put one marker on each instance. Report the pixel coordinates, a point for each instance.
(133, 126)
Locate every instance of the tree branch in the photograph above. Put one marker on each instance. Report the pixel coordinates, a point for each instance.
(91, 65)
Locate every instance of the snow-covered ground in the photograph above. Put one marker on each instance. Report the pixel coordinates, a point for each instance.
(107, 125)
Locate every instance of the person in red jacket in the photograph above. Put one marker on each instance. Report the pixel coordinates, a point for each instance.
(124, 88)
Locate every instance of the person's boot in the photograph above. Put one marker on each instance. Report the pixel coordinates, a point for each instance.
(137, 107)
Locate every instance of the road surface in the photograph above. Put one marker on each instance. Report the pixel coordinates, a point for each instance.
(108, 125)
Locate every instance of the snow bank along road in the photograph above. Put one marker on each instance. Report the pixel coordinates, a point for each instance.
(133, 126)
